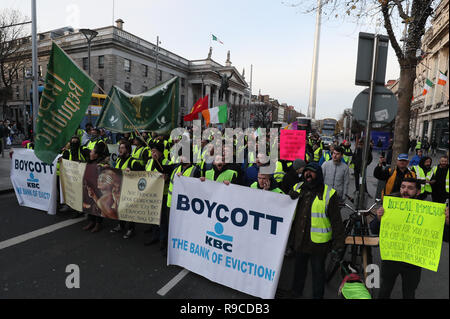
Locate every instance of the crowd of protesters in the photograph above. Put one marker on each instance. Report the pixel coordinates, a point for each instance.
(320, 183)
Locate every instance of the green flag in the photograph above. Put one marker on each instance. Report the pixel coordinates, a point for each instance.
(155, 110)
(66, 96)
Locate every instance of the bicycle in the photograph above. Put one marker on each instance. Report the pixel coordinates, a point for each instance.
(358, 239)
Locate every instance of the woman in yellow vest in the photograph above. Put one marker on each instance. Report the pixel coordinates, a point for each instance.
(317, 229)
(157, 163)
(125, 161)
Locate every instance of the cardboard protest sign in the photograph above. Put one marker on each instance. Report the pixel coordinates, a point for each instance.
(411, 231)
(230, 234)
(113, 193)
(292, 144)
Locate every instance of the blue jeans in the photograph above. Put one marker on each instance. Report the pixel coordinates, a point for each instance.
(318, 273)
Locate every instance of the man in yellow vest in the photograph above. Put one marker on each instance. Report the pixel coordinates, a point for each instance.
(267, 182)
(221, 172)
(141, 152)
(390, 270)
(95, 138)
(424, 173)
(440, 181)
(393, 177)
(317, 228)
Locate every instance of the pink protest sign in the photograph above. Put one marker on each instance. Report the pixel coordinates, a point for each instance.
(292, 144)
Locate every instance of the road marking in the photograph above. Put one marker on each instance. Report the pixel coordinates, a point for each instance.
(22, 238)
(175, 280)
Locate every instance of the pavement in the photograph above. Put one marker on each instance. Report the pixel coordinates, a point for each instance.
(5, 171)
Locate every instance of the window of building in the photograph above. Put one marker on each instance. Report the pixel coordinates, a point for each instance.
(128, 87)
(101, 83)
(144, 88)
(182, 82)
(101, 61)
(159, 75)
(145, 70)
(127, 65)
(85, 64)
(182, 101)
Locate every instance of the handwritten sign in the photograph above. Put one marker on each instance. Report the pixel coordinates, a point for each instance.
(411, 231)
(292, 144)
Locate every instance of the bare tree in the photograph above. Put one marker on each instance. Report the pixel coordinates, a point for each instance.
(391, 13)
(12, 51)
(263, 114)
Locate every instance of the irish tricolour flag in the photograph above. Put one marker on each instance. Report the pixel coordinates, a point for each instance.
(442, 79)
(216, 39)
(215, 115)
(428, 86)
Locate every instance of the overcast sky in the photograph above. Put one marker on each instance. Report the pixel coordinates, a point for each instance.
(277, 39)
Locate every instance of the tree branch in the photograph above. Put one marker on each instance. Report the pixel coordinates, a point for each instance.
(388, 27)
(401, 12)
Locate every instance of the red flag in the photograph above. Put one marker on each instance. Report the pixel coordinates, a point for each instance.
(200, 105)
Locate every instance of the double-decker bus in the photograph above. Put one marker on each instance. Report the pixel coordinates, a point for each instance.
(94, 109)
(328, 127)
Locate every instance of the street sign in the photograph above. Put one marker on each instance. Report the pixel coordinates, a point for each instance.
(385, 106)
(365, 57)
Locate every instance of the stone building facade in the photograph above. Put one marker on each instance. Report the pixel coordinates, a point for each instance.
(430, 113)
(133, 64)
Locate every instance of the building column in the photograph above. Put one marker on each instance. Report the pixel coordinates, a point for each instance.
(190, 98)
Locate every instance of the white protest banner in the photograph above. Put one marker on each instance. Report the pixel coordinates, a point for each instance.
(232, 235)
(34, 181)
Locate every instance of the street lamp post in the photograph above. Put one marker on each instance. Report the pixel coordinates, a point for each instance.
(90, 35)
(156, 62)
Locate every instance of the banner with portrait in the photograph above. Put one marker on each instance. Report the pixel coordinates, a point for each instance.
(134, 196)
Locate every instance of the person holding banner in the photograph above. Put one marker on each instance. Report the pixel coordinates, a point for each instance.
(221, 172)
(76, 152)
(317, 228)
(126, 161)
(141, 152)
(158, 163)
(390, 270)
(105, 185)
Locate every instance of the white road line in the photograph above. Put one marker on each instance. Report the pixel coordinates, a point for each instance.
(20, 239)
(175, 280)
